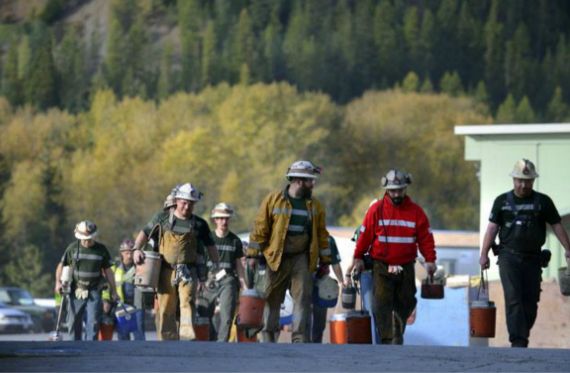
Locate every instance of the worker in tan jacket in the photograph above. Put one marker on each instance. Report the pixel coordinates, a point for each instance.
(289, 231)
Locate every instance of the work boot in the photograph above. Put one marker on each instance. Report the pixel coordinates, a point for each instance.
(398, 340)
(519, 343)
(268, 337)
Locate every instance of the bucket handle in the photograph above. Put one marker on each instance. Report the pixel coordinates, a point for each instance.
(249, 276)
(483, 284)
(355, 281)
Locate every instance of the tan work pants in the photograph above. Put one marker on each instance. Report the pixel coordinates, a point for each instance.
(168, 299)
(293, 274)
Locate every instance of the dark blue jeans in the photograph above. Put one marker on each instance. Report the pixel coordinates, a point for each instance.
(520, 277)
(91, 308)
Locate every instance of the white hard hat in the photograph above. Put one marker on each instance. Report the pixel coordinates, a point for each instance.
(188, 192)
(169, 202)
(524, 169)
(303, 169)
(396, 179)
(222, 210)
(127, 245)
(85, 230)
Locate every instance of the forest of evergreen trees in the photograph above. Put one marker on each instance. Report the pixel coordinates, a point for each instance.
(510, 54)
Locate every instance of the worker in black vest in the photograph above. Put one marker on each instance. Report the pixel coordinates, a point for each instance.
(520, 217)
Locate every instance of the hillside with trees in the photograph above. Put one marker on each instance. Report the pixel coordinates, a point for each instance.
(510, 54)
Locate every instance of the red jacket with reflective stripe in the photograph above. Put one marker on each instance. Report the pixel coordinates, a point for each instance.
(394, 233)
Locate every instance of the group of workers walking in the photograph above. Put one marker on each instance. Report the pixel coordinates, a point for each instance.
(290, 238)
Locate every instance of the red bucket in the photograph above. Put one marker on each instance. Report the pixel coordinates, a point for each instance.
(105, 332)
(202, 328)
(432, 289)
(242, 338)
(250, 313)
(358, 328)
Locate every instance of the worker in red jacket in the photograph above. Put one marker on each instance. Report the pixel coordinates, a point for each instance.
(394, 229)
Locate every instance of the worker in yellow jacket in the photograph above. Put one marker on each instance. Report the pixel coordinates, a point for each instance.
(290, 232)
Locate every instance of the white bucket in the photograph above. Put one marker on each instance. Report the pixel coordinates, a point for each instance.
(147, 274)
(66, 274)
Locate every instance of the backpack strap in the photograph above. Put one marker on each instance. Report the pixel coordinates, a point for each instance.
(511, 202)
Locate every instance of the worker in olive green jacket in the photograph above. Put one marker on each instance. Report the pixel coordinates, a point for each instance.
(289, 231)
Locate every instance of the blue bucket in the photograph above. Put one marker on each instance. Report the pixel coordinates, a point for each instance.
(126, 319)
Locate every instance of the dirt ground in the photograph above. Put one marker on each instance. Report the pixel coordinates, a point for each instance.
(552, 327)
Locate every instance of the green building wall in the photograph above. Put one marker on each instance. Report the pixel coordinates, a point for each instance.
(498, 147)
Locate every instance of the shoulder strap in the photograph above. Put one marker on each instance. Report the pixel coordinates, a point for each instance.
(171, 219)
(511, 202)
(74, 261)
(536, 204)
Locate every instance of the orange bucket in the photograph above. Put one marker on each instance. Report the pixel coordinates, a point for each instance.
(105, 332)
(242, 338)
(338, 331)
(250, 313)
(358, 328)
(482, 319)
(202, 329)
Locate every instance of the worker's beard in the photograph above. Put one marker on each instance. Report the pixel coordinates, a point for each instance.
(306, 192)
(397, 200)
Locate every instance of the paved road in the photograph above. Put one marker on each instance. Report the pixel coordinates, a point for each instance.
(254, 357)
(43, 337)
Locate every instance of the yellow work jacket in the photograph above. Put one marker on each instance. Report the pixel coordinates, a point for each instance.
(270, 229)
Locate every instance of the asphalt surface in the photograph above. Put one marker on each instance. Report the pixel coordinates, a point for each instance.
(152, 356)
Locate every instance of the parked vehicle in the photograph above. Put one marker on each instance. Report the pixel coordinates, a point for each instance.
(43, 318)
(14, 321)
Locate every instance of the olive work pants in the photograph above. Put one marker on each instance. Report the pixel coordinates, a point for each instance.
(169, 297)
(520, 277)
(293, 274)
(394, 301)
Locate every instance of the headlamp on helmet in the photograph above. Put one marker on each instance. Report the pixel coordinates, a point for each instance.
(396, 179)
(187, 192)
(524, 169)
(303, 169)
(85, 230)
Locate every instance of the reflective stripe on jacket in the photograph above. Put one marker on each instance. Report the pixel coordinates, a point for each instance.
(271, 225)
(395, 233)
